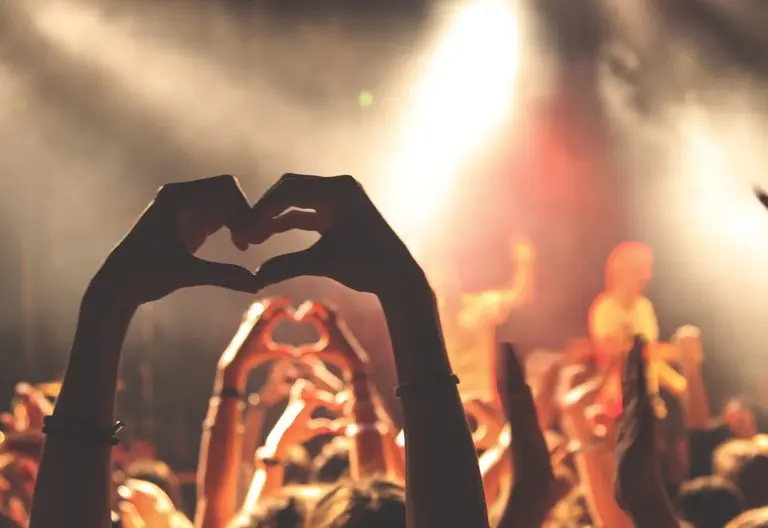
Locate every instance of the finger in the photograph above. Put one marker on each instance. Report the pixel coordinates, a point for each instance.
(201, 272)
(217, 201)
(291, 190)
(289, 266)
(302, 220)
(509, 370)
(320, 426)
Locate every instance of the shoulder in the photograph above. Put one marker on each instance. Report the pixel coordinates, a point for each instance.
(602, 303)
(644, 303)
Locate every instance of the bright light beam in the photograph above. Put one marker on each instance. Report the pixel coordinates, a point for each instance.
(465, 94)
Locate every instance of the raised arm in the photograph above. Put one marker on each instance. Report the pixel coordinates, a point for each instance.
(359, 249)
(639, 487)
(533, 491)
(153, 260)
(221, 447)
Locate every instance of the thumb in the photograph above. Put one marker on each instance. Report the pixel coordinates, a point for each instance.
(201, 272)
(288, 266)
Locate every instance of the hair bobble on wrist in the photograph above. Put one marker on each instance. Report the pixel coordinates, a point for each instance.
(404, 389)
(56, 426)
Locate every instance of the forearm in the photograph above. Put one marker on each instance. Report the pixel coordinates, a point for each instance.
(367, 458)
(697, 405)
(220, 454)
(87, 399)
(528, 504)
(444, 486)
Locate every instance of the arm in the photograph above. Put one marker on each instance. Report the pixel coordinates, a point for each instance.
(136, 272)
(639, 487)
(222, 442)
(88, 397)
(531, 496)
(443, 482)
(359, 249)
(697, 412)
(593, 457)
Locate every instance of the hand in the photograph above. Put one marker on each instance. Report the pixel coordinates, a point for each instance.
(252, 344)
(637, 466)
(357, 247)
(337, 345)
(490, 422)
(296, 426)
(157, 258)
(281, 378)
(150, 503)
(510, 377)
(688, 341)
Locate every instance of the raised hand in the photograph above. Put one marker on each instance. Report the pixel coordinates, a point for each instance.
(252, 344)
(534, 492)
(638, 485)
(337, 345)
(157, 256)
(357, 247)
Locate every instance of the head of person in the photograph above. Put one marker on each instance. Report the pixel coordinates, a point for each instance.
(745, 464)
(629, 268)
(709, 502)
(756, 518)
(287, 509)
(332, 463)
(740, 418)
(159, 474)
(371, 504)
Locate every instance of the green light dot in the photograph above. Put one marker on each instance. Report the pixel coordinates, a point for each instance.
(365, 99)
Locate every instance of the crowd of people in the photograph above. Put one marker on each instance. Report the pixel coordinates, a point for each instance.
(617, 433)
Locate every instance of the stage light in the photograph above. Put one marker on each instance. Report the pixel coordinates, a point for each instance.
(464, 94)
(365, 99)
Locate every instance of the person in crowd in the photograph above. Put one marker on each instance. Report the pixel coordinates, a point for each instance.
(709, 502)
(623, 311)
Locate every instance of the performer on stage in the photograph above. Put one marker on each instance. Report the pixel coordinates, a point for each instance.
(469, 321)
(620, 313)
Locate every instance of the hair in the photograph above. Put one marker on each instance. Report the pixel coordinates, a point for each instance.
(745, 464)
(371, 504)
(286, 510)
(332, 463)
(297, 465)
(159, 474)
(620, 257)
(709, 502)
(8, 522)
(757, 518)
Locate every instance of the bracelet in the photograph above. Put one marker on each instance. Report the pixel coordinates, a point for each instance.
(405, 388)
(57, 426)
(228, 393)
(355, 429)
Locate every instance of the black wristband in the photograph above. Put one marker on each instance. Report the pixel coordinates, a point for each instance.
(228, 393)
(406, 388)
(57, 426)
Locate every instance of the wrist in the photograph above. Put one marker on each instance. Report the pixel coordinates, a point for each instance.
(231, 376)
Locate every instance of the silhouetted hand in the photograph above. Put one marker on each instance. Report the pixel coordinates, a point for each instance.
(535, 490)
(357, 247)
(157, 256)
(637, 469)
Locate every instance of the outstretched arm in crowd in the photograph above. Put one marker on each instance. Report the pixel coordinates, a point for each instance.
(218, 473)
(153, 260)
(593, 455)
(295, 427)
(534, 490)
(338, 345)
(639, 486)
(359, 249)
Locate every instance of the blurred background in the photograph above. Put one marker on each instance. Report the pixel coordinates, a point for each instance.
(570, 124)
